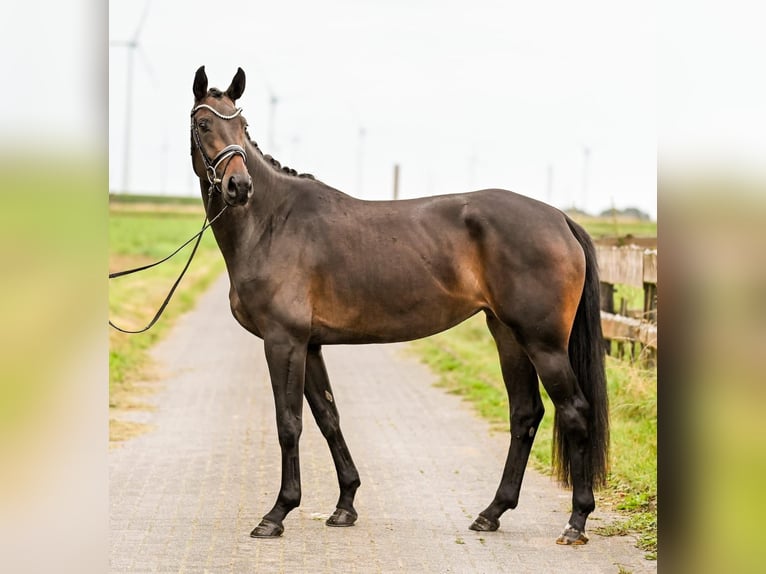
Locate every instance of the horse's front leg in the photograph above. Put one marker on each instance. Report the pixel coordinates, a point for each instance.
(286, 357)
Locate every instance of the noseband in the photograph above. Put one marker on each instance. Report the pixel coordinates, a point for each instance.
(211, 165)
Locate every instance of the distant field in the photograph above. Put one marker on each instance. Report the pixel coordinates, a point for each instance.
(600, 227)
(125, 198)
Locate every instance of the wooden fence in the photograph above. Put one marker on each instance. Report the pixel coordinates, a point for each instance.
(634, 331)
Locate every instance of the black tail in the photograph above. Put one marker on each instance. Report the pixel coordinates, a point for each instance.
(586, 354)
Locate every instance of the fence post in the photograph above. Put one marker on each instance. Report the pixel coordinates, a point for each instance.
(607, 304)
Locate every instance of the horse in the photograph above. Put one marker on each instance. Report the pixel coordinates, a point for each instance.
(310, 266)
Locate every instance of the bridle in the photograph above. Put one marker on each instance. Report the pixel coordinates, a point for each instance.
(227, 153)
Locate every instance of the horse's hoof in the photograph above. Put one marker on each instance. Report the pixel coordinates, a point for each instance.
(484, 524)
(572, 536)
(267, 529)
(342, 517)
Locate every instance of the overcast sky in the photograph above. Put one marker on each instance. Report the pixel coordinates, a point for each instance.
(553, 99)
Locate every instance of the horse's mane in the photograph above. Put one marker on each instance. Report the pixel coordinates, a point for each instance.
(271, 161)
(275, 164)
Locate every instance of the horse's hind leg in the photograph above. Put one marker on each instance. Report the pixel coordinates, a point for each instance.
(572, 410)
(526, 409)
(322, 403)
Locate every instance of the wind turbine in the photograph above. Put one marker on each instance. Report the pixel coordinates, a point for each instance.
(132, 45)
(585, 174)
(362, 133)
(273, 101)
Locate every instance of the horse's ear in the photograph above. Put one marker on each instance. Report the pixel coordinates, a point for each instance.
(237, 87)
(200, 83)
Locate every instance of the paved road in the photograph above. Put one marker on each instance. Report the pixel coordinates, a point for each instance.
(185, 496)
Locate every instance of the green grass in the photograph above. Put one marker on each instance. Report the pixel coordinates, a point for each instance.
(136, 237)
(633, 296)
(465, 358)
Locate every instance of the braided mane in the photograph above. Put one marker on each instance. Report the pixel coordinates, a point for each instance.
(275, 164)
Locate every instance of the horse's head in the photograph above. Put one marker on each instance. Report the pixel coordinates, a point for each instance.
(219, 137)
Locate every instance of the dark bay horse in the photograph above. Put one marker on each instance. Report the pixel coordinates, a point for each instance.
(312, 266)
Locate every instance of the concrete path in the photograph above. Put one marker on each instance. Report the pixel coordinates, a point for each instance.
(185, 496)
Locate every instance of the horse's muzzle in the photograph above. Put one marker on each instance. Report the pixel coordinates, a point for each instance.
(238, 189)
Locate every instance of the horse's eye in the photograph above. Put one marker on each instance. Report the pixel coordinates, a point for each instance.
(203, 125)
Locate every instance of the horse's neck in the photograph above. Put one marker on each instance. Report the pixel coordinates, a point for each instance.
(268, 184)
(238, 230)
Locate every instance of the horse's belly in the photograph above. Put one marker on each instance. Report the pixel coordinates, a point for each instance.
(385, 320)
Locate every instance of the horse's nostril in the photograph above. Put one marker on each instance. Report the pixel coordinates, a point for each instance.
(237, 182)
(239, 187)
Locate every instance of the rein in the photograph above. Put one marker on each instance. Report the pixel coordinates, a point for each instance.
(211, 171)
(198, 237)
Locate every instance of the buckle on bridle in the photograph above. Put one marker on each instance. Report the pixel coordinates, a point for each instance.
(212, 178)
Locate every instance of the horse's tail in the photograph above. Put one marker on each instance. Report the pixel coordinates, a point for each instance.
(586, 354)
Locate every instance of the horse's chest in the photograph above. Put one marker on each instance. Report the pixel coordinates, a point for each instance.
(241, 314)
